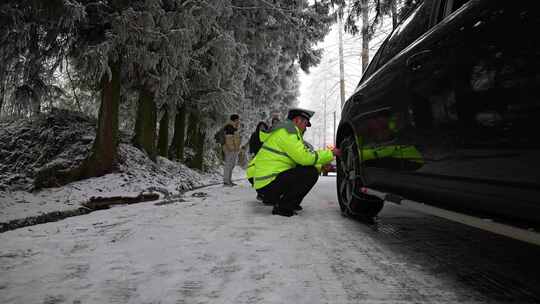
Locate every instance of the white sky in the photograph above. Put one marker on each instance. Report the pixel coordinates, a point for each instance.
(322, 83)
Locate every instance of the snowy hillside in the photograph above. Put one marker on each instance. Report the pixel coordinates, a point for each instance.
(63, 139)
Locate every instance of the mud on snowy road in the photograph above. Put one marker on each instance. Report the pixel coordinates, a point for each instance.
(220, 245)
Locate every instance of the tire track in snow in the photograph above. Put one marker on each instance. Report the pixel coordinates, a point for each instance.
(364, 270)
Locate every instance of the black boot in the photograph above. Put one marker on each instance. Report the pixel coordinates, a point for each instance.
(283, 212)
(261, 198)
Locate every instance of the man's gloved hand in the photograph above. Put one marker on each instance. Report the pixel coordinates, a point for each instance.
(327, 168)
(336, 151)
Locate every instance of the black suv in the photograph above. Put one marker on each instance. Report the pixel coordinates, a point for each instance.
(447, 113)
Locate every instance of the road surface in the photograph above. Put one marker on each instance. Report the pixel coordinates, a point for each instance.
(220, 245)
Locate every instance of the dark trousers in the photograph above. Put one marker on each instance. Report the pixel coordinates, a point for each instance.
(290, 187)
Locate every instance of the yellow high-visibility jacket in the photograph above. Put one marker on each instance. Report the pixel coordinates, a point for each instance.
(311, 148)
(282, 150)
(250, 171)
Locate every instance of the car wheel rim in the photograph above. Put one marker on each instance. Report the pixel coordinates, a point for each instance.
(348, 170)
(351, 173)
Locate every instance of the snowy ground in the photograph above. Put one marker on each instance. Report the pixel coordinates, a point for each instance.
(139, 174)
(61, 139)
(219, 245)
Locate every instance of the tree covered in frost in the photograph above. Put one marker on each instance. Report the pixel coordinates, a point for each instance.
(197, 61)
(280, 37)
(33, 41)
(369, 14)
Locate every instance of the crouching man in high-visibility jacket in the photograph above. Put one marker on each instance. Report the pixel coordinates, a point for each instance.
(285, 169)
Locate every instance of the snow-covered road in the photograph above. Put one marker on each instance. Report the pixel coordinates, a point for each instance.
(220, 245)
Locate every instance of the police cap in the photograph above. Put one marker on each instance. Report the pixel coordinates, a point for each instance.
(307, 114)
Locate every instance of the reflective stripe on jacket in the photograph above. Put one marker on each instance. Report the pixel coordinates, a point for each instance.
(250, 171)
(394, 151)
(282, 150)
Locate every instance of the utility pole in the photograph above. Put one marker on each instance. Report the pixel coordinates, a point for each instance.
(341, 68)
(324, 115)
(334, 139)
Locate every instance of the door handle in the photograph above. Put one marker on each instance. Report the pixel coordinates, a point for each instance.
(415, 61)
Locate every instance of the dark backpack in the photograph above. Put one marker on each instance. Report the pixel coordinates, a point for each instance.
(219, 137)
(255, 143)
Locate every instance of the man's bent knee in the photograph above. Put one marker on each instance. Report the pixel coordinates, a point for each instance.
(312, 173)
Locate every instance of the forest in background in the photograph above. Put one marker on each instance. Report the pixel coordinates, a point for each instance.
(168, 72)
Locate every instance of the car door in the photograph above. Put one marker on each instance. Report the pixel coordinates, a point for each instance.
(376, 109)
(474, 101)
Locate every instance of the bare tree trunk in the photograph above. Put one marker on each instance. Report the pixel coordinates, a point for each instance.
(75, 96)
(145, 124)
(36, 106)
(198, 159)
(3, 81)
(104, 155)
(177, 145)
(192, 128)
(33, 71)
(341, 67)
(393, 7)
(163, 139)
(365, 35)
(196, 139)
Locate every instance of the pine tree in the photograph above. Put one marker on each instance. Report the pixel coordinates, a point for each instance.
(176, 151)
(163, 138)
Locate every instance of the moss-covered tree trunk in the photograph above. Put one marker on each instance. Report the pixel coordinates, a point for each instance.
(198, 159)
(104, 154)
(163, 139)
(192, 128)
(105, 149)
(145, 124)
(195, 139)
(177, 145)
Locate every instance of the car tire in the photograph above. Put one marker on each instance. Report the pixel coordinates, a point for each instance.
(350, 178)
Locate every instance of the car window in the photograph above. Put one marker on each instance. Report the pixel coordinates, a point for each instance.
(409, 30)
(395, 42)
(449, 6)
(373, 65)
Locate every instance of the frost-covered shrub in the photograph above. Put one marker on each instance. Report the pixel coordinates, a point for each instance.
(60, 139)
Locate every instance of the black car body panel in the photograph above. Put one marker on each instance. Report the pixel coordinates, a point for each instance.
(447, 111)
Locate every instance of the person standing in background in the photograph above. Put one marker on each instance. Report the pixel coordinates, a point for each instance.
(231, 148)
(255, 141)
(274, 121)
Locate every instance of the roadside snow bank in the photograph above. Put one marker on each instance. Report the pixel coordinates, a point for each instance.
(23, 148)
(137, 175)
(60, 138)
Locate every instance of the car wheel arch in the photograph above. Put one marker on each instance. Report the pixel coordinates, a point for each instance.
(345, 130)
